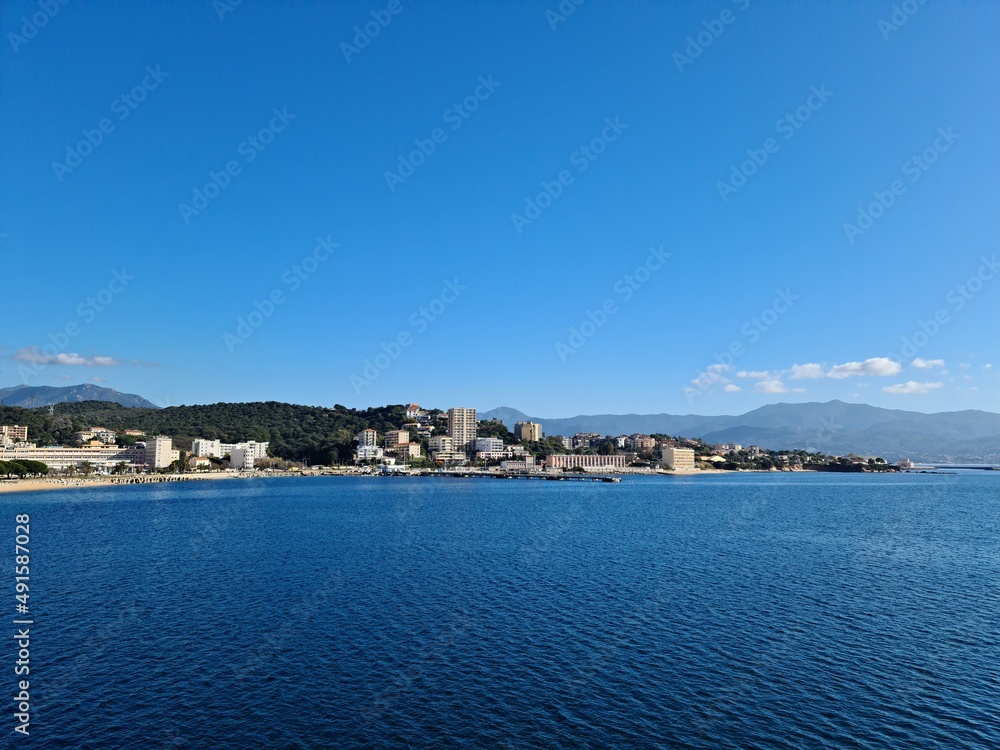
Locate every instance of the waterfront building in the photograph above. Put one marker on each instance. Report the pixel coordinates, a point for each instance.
(369, 452)
(157, 452)
(489, 444)
(590, 463)
(528, 431)
(205, 448)
(102, 457)
(462, 427)
(524, 464)
(677, 458)
(451, 457)
(242, 457)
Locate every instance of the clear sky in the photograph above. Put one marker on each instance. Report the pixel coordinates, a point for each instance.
(643, 207)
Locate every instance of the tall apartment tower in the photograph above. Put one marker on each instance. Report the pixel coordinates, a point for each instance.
(462, 427)
(530, 431)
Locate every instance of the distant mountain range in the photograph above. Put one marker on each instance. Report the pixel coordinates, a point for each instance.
(833, 427)
(29, 396)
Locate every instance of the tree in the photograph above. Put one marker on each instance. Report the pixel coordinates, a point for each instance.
(87, 468)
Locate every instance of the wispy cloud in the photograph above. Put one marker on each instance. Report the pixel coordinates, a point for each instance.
(730, 388)
(878, 367)
(755, 374)
(927, 364)
(911, 387)
(35, 356)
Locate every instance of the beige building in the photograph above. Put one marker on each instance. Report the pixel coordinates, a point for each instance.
(590, 463)
(440, 443)
(394, 438)
(367, 439)
(13, 433)
(462, 427)
(528, 431)
(408, 451)
(158, 452)
(678, 458)
(101, 457)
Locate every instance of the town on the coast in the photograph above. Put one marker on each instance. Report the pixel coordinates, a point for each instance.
(427, 441)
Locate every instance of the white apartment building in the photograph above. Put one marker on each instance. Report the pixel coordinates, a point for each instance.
(489, 445)
(205, 448)
(370, 452)
(367, 439)
(462, 427)
(677, 458)
(242, 457)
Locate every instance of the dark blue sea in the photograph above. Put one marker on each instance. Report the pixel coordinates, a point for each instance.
(738, 611)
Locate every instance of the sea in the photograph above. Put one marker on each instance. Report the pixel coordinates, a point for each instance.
(741, 610)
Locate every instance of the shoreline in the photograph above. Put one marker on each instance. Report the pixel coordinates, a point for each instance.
(37, 484)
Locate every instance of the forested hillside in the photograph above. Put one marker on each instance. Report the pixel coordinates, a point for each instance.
(313, 434)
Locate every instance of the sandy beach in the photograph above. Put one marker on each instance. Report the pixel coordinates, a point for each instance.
(65, 483)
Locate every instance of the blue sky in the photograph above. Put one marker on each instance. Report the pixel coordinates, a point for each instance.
(691, 209)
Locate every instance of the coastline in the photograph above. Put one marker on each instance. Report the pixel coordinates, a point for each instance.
(67, 483)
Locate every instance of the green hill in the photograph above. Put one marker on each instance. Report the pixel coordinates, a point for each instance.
(313, 434)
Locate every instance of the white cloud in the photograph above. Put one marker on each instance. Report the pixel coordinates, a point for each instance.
(770, 386)
(809, 371)
(755, 374)
(927, 364)
(35, 356)
(718, 368)
(879, 367)
(732, 388)
(988, 366)
(911, 386)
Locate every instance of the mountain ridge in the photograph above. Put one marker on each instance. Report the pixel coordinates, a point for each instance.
(834, 426)
(35, 396)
